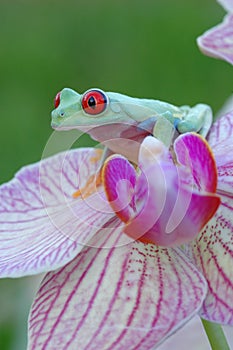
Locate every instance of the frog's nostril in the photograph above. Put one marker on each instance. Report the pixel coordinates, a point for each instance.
(57, 99)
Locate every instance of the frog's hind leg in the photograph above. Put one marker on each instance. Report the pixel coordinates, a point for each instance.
(198, 119)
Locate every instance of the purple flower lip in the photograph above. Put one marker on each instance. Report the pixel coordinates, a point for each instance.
(166, 203)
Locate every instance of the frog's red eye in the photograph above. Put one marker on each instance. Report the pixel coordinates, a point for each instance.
(57, 99)
(94, 102)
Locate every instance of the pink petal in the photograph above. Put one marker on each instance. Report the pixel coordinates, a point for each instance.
(213, 250)
(221, 142)
(221, 132)
(193, 152)
(192, 337)
(227, 4)
(218, 41)
(42, 226)
(212, 253)
(127, 298)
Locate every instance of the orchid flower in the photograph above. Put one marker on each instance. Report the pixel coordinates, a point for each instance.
(170, 204)
(218, 41)
(108, 287)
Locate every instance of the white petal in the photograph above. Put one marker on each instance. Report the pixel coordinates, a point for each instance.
(212, 253)
(126, 298)
(42, 226)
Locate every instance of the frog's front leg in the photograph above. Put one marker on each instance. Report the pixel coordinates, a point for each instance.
(198, 119)
(161, 127)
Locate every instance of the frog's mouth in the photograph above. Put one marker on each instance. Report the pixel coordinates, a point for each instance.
(68, 123)
(59, 127)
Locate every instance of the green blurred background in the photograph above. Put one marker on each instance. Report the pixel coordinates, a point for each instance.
(141, 48)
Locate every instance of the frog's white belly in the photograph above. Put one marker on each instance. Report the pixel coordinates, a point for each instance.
(124, 139)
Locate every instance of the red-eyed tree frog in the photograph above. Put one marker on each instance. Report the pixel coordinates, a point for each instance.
(121, 122)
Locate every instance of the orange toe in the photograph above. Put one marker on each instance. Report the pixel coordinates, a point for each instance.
(92, 183)
(98, 156)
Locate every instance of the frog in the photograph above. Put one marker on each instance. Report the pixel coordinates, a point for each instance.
(120, 122)
(105, 115)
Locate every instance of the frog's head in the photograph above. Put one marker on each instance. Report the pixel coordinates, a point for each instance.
(92, 109)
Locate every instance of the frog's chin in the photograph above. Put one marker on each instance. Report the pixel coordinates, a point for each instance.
(83, 128)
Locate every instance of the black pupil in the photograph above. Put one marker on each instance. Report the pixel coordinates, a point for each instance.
(92, 102)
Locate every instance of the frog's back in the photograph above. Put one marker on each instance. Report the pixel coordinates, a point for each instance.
(151, 106)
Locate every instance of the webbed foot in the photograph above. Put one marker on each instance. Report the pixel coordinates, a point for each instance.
(197, 119)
